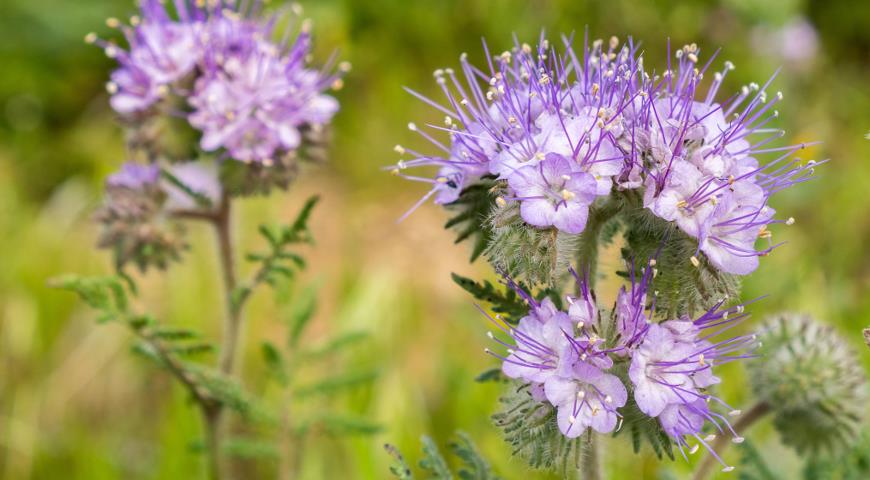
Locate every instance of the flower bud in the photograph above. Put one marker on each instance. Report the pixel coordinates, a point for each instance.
(812, 381)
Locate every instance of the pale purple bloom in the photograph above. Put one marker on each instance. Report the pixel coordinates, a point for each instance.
(161, 51)
(250, 96)
(554, 193)
(587, 399)
(528, 104)
(135, 176)
(254, 98)
(602, 112)
(541, 346)
(704, 175)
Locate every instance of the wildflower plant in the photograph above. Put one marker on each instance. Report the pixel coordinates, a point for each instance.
(219, 101)
(546, 154)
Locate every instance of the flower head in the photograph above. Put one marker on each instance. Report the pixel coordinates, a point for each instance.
(529, 107)
(539, 120)
(249, 96)
(586, 368)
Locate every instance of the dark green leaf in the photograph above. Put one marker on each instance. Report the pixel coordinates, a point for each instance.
(476, 467)
(504, 301)
(472, 208)
(433, 462)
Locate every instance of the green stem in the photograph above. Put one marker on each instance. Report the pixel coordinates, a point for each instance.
(233, 318)
(211, 423)
(214, 417)
(721, 443)
(590, 467)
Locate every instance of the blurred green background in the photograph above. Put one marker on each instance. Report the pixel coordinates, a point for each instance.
(75, 405)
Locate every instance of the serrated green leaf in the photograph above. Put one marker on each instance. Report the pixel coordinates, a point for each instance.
(433, 462)
(472, 208)
(476, 467)
(399, 467)
(505, 302)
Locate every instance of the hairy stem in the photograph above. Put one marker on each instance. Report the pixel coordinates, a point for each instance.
(211, 423)
(590, 467)
(208, 406)
(587, 252)
(758, 411)
(232, 320)
(214, 423)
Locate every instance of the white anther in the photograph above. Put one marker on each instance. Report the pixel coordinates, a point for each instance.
(412, 127)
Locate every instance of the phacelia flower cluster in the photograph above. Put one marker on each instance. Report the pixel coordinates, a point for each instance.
(561, 131)
(141, 205)
(216, 64)
(587, 365)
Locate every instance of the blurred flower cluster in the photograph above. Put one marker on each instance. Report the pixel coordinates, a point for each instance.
(585, 364)
(214, 106)
(561, 132)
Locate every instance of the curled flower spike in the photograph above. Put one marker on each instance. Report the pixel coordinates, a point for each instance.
(560, 128)
(252, 99)
(587, 369)
(527, 104)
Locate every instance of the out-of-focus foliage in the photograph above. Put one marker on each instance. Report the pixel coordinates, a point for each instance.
(71, 398)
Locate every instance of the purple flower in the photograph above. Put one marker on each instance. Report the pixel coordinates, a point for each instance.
(564, 363)
(541, 345)
(657, 383)
(672, 368)
(249, 95)
(254, 97)
(135, 176)
(529, 104)
(703, 173)
(161, 51)
(606, 116)
(587, 399)
(554, 193)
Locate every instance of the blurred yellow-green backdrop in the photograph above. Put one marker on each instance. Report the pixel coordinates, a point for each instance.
(74, 404)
